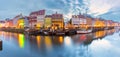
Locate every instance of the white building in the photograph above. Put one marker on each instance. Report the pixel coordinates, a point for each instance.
(78, 20)
(37, 19)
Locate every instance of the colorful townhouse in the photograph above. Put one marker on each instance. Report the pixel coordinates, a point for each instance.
(57, 21)
(81, 21)
(36, 19)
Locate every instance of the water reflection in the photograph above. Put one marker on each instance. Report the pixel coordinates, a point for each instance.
(48, 42)
(67, 41)
(55, 46)
(100, 34)
(21, 40)
(38, 38)
(61, 39)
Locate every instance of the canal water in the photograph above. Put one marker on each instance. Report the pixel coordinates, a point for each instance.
(98, 44)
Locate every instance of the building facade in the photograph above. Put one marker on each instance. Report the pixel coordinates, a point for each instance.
(26, 20)
(15, 20)
(21, 23)
(79, 21)
(57, 21)
(2, 24)
(48, 21)
(99, 23)
(9, 23)
(36, 19)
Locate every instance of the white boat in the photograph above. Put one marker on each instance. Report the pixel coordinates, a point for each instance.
(84, 31)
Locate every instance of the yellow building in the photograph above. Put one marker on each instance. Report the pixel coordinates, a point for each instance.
(57, 21)
(99, 23)
(38, 25)
(2, 24)
(48, 21)
(20, 23)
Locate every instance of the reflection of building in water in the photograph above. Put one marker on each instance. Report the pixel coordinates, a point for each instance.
(21, 40)
(7, 35)
(110, 32)
(68, 41)
(102, 34)
(14, 35)
(58, 40)
(1, 33)
(117, 29)
(89, 39)
(34, 43)
(99, 34)
(48, 42)
(38, 38)
(61, 39)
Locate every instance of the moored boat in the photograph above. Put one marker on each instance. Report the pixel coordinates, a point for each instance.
(59, 32)
(70, 32)
(84, 31)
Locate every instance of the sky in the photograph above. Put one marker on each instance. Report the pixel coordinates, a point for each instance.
(107, 9)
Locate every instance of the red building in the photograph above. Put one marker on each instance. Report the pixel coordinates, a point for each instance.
(9, 23)
(36, 13)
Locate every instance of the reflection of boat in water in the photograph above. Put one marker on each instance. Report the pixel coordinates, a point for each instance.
(84, 31)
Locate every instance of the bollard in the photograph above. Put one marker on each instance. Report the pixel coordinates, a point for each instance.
(0, 45)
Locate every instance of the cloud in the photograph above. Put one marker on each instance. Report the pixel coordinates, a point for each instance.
(73, 7)
(112, 15)
(99, 7)
(114, 12)
(67, 7)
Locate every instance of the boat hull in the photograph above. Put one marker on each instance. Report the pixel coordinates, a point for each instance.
(84, 32)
